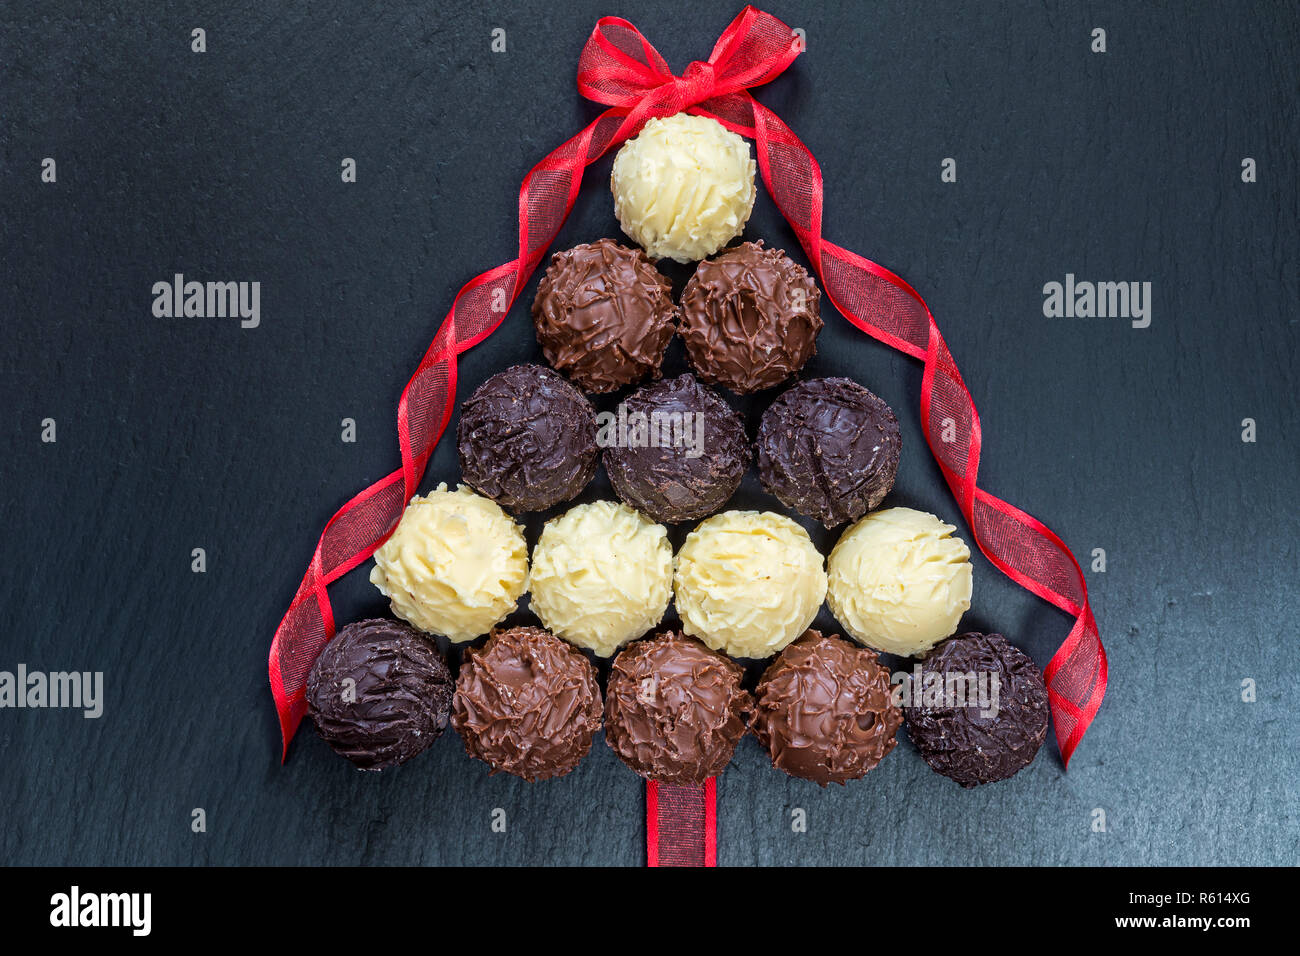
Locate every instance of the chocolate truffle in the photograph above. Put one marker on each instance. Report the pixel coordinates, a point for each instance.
(379, 693)
(527, 439)
(684, 187)
(899, 581)
(681, 450)
(828, 448)
(602, 575)
(456, 565)
(750, 318)
(527, 704)
(675, 710)
(604, 315)
(748, 582)
(977, 734)
(825, 710)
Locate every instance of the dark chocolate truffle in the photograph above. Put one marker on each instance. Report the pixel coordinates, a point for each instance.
(750, 318)
(527, 439)
(527, 703)
(379, 693)
(675, 710)
(966, 738)
(683, 454)
(828, 448)
(825, 711)
(604, 315)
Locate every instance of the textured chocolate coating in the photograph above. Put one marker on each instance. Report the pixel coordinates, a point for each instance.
(527, 703)
(379, 693)
(960, 743)
(828, 448)
(665, 482)
(825, 711)
(675, 710)
(527, 439)
(750, 318)
(604, 315)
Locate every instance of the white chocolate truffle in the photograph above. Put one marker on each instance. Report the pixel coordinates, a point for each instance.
(684, 187)
(456, 565)
(602, 575)
(899, 582)
(748, 582)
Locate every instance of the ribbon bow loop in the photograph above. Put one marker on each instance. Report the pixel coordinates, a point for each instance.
(755, 49)
(619, 67)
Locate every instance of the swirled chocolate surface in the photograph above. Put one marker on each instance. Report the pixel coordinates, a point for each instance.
(604, 315)
(750, 318)
(527, 703)
(825, 711)
(379, 693)
(675, 710)
(527, 439)
(691, 454)
(828, 448)
(969, 743)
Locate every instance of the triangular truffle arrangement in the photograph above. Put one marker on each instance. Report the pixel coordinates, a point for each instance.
(746, 584)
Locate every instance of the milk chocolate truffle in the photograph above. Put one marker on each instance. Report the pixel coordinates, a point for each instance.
(379, 693)
(899, 581)
(994, 730)
(683, 451)
(828, 448)
(675, 710)
(748, 583)
(684, 187)
(456, 565)
(602, 575)
(825, 710)
(527, 704)
(750, 318)
(604, 315)
(527, 439)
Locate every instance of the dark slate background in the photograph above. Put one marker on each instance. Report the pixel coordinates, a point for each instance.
(176, 434)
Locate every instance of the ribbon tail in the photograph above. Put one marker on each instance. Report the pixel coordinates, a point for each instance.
(351, 536)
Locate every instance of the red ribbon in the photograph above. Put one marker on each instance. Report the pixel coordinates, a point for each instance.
(620, 69)
(681, 824)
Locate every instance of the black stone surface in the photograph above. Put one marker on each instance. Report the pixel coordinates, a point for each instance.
(176, 434)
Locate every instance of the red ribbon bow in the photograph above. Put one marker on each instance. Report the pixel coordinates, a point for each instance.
(621, 69)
